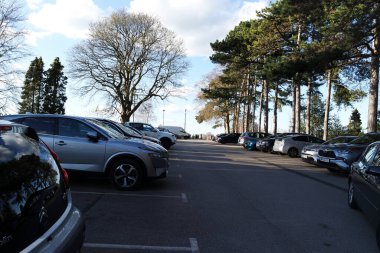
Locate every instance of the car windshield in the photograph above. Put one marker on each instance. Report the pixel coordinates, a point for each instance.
(128, 130)
(110, 131)
(342, 139)
(366, 139)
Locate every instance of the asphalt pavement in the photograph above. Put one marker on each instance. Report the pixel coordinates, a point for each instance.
(221, 198)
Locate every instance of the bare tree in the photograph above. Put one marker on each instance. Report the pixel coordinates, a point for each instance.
(131, 58)
(11, 49)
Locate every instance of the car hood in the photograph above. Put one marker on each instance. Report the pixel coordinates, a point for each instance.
(140, 143)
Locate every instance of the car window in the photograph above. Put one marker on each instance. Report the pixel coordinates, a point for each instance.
(40, 124)
(367, 156)
(301, 138)
(376, 159)
(72, 128)
(138, 126)
(148, 128)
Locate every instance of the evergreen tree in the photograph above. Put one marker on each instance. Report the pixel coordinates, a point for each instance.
(355, 125)
(32, 92)
(55, 89)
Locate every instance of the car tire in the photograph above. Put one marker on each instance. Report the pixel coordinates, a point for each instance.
(293, 152)
(166, 143)
(126, 175)
(351, 196)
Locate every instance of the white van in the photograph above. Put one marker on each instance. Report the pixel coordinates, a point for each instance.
(179, 132)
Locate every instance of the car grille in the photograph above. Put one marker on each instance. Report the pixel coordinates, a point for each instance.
(327, 153)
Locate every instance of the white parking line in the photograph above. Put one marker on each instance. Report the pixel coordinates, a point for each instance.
(129, 194)
(193, 247)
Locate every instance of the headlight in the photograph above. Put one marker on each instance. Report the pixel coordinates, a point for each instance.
(155, 155)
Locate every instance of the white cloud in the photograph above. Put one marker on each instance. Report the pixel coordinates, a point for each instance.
(34, 4)
(66, 17)
(199, 22)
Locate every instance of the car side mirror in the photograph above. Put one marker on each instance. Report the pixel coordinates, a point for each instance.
(373, 170)
(93, 135)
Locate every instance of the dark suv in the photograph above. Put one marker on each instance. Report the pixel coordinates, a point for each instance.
(36, 211)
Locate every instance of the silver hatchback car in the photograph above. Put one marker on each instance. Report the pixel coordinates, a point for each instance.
(89, 145)
(292, 145)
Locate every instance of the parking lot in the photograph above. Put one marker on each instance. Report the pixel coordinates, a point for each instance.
(221, 198)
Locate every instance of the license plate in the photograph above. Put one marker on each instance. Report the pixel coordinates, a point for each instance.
(322, 159)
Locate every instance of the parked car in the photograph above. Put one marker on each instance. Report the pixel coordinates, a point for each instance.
(339, 157)
(179, 132)
(266, 144)
(128, 131)
(167, 139)
(364, 186)
(228, 138)
(247, 136)
(36, 209)
(309, 153)
(89, 145)
(215, 138)
(293, 144)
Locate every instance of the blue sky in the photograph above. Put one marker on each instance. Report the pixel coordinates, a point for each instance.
(55, 26)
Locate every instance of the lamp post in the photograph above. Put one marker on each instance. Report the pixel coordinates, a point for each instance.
(163, 117)
(185, 121)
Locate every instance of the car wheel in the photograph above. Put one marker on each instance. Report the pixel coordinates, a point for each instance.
(351, 196)
(126, 175)
(293, 152)
(166, 143)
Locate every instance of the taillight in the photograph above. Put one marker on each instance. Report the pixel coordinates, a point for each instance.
(5, 128)
(65, 176)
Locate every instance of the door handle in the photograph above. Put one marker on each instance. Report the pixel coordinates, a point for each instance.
(61, 143)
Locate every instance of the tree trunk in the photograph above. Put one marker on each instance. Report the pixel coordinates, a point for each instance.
(266, 105)
(298, 105)
(327, 110)
(308, 110)
(254, 104)
(294, 93)
(275, 110)
(374, 83)
(249, 99)
(261, 107)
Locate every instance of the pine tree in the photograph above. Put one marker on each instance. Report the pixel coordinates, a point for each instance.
(355, 125)
(32, 92)
(55, 89)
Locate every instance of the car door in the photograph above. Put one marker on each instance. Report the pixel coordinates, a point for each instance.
(372, 187)
(77, 151)
(361, 179)
(300, 141)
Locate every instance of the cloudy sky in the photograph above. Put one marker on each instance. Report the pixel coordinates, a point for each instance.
(55, 26)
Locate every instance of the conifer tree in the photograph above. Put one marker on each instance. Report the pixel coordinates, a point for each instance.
(55, 89)
(32, 92)
(355, 125)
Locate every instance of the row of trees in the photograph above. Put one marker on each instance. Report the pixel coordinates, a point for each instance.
(44, 91)
(293, 44)
(131, 59)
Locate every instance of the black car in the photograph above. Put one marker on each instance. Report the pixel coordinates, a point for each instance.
(36, 210)
(364, 186)
(228, 138)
